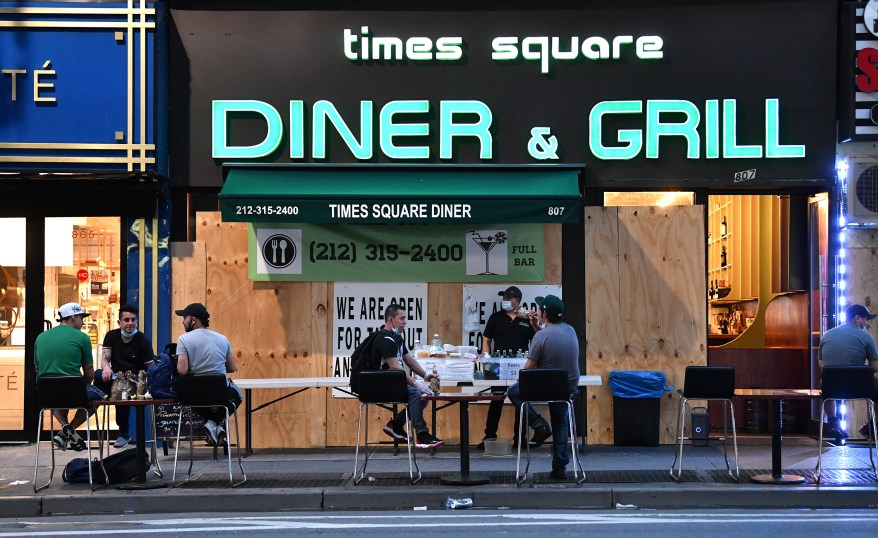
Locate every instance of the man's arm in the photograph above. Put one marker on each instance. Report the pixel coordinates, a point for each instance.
(874, 365)
(88, 371)
(183, 364)
(230, 361)
(413, 364)
(486, 344)
(106, 366)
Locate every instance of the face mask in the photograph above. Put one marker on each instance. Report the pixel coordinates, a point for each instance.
(395, 330)
(129, 335)
(506, 305)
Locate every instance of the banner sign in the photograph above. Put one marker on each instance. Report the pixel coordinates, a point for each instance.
(480, 301)
(446, 253)
(358, 309)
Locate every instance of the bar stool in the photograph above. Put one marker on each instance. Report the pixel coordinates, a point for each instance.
(56, 392)
(206, 391)
(707, 383)
(545, 386)
(848, 383)
(383, 388)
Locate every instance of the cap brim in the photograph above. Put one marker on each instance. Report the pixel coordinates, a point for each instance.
(872, 316)
(539, 300)
(180, 312)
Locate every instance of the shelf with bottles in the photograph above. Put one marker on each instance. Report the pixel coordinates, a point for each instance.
(719, 208)
(719, 239)
(719, 269)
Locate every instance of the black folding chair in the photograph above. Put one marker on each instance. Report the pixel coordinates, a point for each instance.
(383, 388)
(206, 391)
(545, 386)
(61, 392)
(707, 383)
(852, 384)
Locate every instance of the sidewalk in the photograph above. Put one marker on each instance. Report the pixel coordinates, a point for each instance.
(618, 477)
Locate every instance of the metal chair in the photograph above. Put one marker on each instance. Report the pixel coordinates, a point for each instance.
(383, 388)
(206, 391)
(60, 392)
(545, 386)
(708, 383)
(848, 383)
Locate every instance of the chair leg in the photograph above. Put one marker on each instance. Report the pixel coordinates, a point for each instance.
(871, 406)
(37, 457)
(154, 450)
(677, 466)
(577, 463)
(518, 448)
(737, 475)
(362, 474)
(177, 444)
(819, 467)
(522, 438)
(357, 448)
(413, 462)
(238, 447)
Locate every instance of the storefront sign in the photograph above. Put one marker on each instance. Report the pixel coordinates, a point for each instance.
(667, 96)
(358, 309)
(480, 301)
(858, 112)
(418, 253)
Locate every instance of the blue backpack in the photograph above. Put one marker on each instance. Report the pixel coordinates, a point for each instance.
(161, 377)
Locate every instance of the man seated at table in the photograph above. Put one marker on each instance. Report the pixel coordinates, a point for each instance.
(203, 351)
(390, 348)
(555, 346)
(62, 351)
(125, 350)
(850, 344)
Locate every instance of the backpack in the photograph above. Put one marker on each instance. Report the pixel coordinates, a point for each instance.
(161, 377)
(121, 467)
(362, 360)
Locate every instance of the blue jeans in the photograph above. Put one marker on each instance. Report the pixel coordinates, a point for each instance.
(416, 411)
(558, 415)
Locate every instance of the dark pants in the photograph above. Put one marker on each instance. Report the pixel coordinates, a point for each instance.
(217, 413)
(495, 410)
(123, 413)
(416, 411)
(560, 432)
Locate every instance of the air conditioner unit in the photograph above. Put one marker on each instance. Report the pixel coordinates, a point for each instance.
(862, 192)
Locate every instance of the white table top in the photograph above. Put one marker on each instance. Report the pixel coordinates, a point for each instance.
(318, 382)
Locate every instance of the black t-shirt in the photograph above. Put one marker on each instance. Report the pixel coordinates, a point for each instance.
(130, 356)
(387, 345)
(508, 334)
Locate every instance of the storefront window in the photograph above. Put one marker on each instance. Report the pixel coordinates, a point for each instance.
(82, 265)
(660, 199)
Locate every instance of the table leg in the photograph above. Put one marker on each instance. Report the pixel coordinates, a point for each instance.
(464, 478)
(248, 428)
(777, 476)
(140, 425)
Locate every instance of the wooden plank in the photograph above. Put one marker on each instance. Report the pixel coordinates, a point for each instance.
(189, 279)
(554, 253)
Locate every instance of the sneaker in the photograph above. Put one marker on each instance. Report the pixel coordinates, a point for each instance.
(427, 440)
(121, 442)
(211, 428)
(540, 436)
(558, 474)
(395, 430)
(220, 436)
(481, 446)
(77, 443)
(60, 440)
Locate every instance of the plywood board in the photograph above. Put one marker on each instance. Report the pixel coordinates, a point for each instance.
(659, 318)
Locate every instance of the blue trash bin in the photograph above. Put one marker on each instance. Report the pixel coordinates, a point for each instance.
(636, 405)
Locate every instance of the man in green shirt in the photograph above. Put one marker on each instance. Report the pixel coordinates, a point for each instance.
(66, 350)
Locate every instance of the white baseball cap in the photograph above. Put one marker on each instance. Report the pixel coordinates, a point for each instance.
(71, 309)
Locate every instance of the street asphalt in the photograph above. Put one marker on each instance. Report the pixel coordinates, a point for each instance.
(320, 479)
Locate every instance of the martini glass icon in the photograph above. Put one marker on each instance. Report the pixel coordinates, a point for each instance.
(486, 244)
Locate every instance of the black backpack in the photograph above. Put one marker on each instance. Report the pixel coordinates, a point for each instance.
(362, 360)
(121, 467)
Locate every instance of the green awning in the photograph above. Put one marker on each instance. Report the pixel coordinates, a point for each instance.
(400, 196)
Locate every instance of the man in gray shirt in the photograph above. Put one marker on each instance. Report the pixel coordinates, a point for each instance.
(850, 344)
(203, 351)
(555, 346)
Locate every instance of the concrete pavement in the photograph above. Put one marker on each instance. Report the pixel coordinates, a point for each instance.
(618, 477)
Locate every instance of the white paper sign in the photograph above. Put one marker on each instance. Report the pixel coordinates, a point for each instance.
(358, 308)
(482, 300)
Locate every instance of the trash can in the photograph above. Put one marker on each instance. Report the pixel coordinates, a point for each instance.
(636, 401)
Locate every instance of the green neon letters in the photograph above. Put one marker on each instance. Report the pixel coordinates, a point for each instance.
(457, 119)
(629, 142)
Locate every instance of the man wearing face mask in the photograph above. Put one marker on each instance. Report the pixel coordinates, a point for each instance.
(125, 349)
(509, 332)
(850, 344)
(390, 348)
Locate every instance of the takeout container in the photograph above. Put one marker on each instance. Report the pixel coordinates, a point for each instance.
(498, 447)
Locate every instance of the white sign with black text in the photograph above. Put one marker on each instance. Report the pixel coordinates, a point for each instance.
(482, 300)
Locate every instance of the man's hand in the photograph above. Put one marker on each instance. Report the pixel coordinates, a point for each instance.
(428, 377)
(106, 375)
(425, 389)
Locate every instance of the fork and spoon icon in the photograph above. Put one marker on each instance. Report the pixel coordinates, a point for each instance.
(283, 251)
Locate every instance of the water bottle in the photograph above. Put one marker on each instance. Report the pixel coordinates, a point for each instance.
(436, 345)
(455, 504)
